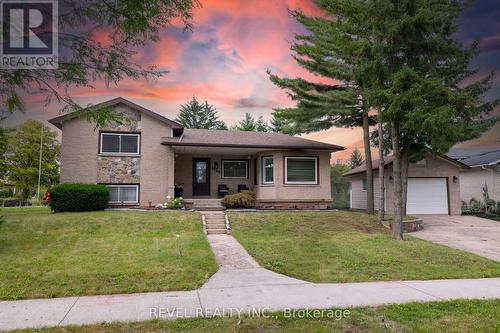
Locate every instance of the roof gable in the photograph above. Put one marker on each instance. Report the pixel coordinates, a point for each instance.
(57, 121)
(389, 160)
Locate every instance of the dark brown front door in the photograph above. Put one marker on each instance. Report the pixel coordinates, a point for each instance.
(201, 176)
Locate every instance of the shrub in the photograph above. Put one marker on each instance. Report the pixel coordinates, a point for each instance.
(173, 203)
(78, 197)
(244, 199)
(6, 193)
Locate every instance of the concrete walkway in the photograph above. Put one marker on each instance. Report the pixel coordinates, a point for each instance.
(239, 285)
(468, 233)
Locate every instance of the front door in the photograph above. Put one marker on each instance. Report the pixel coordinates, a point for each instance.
(201, 176)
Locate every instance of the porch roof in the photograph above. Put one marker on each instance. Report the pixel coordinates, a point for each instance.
(242, 139)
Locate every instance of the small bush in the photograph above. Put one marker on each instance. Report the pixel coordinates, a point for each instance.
(78, 197)
(6, 193)
(244, 199)
(173, 203)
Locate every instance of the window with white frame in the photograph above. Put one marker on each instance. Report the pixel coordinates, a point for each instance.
(301, 170)
(120, 143)
(267, 170)
(234, 169)
(126, 194)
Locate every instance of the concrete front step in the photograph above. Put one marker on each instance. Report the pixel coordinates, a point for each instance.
(215, 223)
(209, 208)
(215, 226)
(216, 231)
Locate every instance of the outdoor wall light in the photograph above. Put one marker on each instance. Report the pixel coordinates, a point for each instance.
(455, 179)
(391, 179)
(216, 167)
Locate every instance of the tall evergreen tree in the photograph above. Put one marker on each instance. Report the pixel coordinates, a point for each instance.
(200, 115)
(356, 159)
(280, 124)
(333, 50)
(250, 124)
(424, 87)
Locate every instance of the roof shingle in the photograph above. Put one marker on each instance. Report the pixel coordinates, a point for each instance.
(224, 138)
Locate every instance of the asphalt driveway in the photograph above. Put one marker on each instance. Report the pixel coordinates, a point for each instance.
(468, 233)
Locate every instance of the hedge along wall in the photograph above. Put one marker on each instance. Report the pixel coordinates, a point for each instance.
(78, 197)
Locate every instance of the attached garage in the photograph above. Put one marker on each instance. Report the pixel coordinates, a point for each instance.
(433, 186)
(427, 196)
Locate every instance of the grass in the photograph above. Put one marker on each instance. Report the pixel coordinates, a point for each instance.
(451, 316)
(348, 247)
(50, 255)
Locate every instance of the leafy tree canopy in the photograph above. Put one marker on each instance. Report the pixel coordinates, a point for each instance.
(23, 153)
(126, 24)
(200, 115)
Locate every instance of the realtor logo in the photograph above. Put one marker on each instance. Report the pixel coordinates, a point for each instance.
(28, 34)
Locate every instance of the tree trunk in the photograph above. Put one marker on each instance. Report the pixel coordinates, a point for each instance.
(370, 209)
(381, 171)
(404, 179)
(397, 224)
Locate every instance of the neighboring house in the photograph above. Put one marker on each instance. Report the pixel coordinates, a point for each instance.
(433, 186)
(144, 159)
(483, 176)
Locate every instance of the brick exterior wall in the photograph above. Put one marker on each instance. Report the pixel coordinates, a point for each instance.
(152, 170)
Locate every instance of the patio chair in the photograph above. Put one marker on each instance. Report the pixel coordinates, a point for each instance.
(222, 190)
(242, 187)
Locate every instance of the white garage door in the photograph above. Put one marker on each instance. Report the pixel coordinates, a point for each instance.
(427, 196)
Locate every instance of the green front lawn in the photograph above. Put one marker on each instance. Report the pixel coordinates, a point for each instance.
(348, 247)
(50, 255)
(451, 316)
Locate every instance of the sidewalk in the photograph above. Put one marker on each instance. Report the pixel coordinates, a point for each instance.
(240, 283)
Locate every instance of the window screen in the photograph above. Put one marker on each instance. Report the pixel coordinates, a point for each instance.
(119, 143)
(234, 169)
(123, 193)
(267, 170)
(301, 170)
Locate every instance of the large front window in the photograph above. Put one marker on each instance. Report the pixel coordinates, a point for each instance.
(120, 143)
(234, 169)
(128, 194)
(267, 170)
(301, 170)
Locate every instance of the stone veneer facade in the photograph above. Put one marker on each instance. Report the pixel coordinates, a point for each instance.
(118, 169)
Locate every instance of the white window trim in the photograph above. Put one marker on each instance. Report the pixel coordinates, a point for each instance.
(264, 170)
(246, 171)
(315, 182)
(126, 202)
(119, 144)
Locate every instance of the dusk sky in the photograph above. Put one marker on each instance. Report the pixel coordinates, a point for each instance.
(225, 58)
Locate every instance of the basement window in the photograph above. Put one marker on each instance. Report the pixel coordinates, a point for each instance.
(123, 194)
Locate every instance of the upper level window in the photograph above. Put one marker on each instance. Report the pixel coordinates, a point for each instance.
(119, 143)
(267, 170)
(301, 170)
(234, 169)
